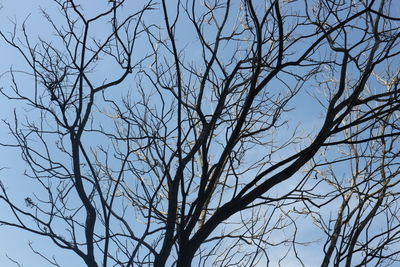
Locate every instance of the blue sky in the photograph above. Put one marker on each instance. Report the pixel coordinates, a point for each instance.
(20, 187)
(14, 243)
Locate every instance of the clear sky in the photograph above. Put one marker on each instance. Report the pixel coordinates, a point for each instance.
(14, 243)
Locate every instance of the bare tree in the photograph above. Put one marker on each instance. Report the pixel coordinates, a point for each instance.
(366, 227)
(173, 133)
